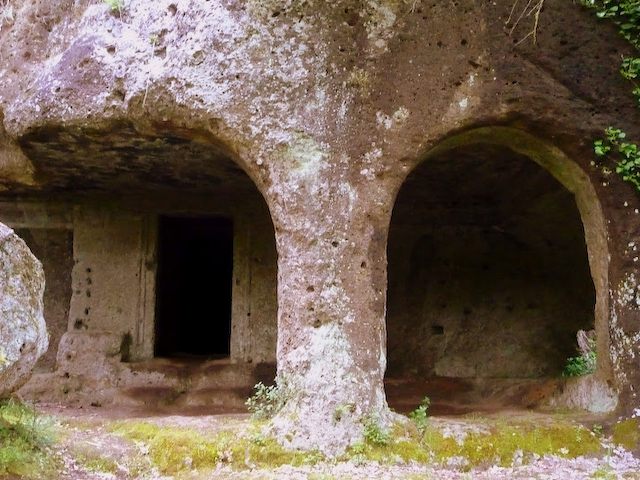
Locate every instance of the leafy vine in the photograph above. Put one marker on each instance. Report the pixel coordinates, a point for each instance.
(614, 146)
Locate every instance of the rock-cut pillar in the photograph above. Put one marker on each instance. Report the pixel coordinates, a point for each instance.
(331, 314)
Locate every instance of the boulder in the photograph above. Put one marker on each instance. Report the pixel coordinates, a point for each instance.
(23, 332)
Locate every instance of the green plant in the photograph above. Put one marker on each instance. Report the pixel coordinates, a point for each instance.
(374, 433)
(419, 415)
(598, 430)
(580, 365)
(583, 364)
(341, 410)
(115, 5)
(627, 156)
(624, 155)
(258, 439)
(267, 400)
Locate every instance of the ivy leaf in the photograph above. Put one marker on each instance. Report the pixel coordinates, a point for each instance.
(600, 148)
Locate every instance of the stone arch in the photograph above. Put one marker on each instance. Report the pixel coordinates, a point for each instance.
(573, 179)
(114, 186)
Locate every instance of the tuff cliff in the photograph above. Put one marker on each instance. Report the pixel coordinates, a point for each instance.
(327, 106)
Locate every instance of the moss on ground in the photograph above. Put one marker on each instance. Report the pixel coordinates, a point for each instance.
(175, 449)
(627, 433)
(179, 451)
(496, 443)
(518, 442)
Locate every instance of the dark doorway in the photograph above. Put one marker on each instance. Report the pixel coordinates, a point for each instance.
(194, 286)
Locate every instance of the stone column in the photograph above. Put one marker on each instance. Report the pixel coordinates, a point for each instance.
(331, 311)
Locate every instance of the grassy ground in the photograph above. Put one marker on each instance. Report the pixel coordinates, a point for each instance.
(81, 445)
(26, 442)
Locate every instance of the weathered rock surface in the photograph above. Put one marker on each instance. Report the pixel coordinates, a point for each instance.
(327, 106)
(23, 332)
(587, 393)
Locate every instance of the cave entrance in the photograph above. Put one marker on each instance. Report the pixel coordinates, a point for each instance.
(489, 279)
(195, 266)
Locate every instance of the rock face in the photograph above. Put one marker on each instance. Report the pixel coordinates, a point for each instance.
(23, 332)
(327, 107)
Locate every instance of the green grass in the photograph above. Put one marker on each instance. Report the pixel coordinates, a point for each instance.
(25, 438)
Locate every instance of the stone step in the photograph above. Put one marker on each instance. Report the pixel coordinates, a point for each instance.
(229, 400)
(162, 382)
(211, 375)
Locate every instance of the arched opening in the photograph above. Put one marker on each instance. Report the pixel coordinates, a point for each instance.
(174, 270)
(489, 275)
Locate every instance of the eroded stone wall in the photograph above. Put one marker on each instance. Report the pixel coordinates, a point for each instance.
(116, 265)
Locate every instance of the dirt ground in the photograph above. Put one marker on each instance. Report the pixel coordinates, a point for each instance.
(87, 437)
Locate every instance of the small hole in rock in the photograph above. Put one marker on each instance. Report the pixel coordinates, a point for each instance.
(437, 330)
(310, 288)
